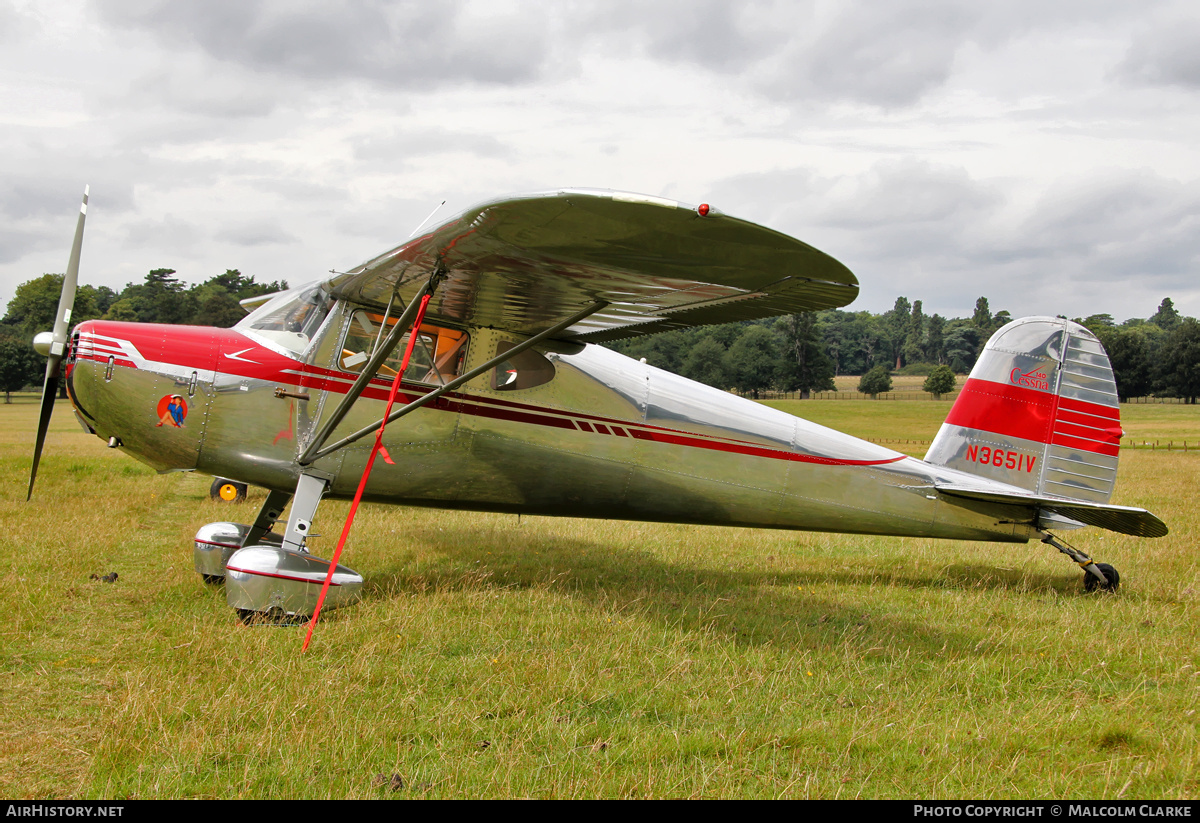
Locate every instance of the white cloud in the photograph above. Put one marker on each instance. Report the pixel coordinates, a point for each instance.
(941, 149)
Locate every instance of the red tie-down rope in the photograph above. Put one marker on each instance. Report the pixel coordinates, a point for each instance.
(362, 484)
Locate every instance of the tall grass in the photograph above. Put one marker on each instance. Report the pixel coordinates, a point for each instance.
(501, 657)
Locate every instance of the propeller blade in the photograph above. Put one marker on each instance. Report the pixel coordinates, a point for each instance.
(49, 389)
(58, 342)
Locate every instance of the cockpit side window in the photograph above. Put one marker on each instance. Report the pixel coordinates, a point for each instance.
(437, 357)
(523, 370)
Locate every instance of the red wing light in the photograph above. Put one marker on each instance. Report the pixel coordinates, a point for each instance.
(702, 209)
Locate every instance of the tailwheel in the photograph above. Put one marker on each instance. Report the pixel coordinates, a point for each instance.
(227, 491)
(1096, 576)
(1112, 580)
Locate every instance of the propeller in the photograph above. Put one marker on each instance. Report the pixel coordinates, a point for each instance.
(53, 344)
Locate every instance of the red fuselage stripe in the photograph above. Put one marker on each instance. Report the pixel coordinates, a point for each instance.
(198, 347)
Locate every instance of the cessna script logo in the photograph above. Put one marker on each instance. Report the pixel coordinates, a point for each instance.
(1033, 379)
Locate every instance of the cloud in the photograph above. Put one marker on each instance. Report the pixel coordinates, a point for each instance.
(405, 45)
(424, 142)
(255, 233)
(168, 231)
(892, 209)
(1166, 55)
(14, 25)
(905, 192)
(38, 212)
(934, 232)
(1128, 225)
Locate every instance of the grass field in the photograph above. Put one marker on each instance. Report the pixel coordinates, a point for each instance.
(493, 657)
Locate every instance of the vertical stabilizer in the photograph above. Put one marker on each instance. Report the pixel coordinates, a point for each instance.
(1039, 411)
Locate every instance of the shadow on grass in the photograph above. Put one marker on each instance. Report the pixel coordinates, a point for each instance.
(749, 607)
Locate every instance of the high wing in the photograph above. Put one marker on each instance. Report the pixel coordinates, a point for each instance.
(522, 263)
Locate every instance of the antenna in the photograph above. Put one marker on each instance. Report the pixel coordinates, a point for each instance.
(421, 225)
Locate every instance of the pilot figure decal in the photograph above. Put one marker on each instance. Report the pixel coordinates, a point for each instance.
(172, 410)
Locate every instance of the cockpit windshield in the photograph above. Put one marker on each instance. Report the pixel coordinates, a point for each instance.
(291, 319)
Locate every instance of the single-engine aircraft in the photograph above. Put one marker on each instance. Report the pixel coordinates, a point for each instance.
(506, 403)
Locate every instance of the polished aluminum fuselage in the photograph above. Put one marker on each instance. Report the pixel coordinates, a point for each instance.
(607, 437)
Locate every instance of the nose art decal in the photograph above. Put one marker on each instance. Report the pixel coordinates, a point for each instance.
(172, 410)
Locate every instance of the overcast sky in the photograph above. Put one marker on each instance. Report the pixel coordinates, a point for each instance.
(1043, 154)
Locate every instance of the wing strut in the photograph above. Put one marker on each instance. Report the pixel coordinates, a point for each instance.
(309, 456)
(372, 366)
(362, 484)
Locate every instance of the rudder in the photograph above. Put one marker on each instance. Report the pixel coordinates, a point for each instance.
(1039, 411)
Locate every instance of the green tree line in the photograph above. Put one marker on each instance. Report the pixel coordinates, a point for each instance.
(1158, 355)
(159, 298)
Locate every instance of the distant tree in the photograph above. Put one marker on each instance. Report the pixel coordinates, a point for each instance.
(853, 340)
(982, 319)
(914, 342)
(124, 310)
(962, 347)
(897, 322)
(239, 286)
(935, 349)
(1095, 322)
(35, 303)
(218, 309)
(1180, 361)
(1166, 318)
(663, 351)
(20, 365)
(940, 381)
(101, 296)
(876, 381)
(751, 361)
(803, 366)
(705, 363)
(1130, 353)
(34, 309)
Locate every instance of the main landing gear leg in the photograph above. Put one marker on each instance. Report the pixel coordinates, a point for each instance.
(270, 512)
(216, 542)
(309, 490)
(1095, 575)
(280, 583)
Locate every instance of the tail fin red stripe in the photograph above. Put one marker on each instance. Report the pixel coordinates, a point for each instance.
(1013, 411)
(1103, 435)
(1084, 407)
(1066, 440)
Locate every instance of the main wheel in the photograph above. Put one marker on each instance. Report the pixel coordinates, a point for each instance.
(227, 491)
(1090, 583)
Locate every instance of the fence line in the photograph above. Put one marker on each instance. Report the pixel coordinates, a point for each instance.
(1152, 445)
(916, 394)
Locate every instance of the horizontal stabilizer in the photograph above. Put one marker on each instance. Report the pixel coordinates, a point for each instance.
(1122, 519)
